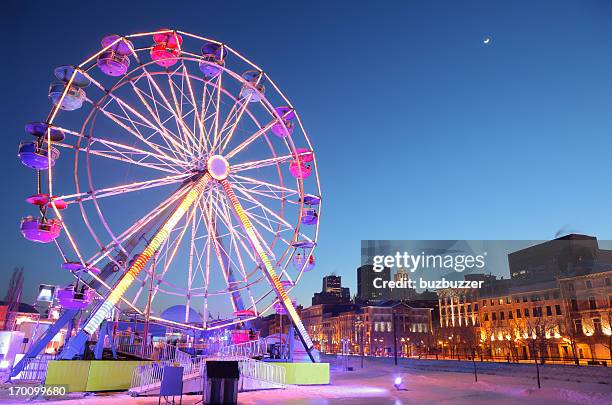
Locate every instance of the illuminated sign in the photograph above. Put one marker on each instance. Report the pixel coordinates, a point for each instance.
(45, 293)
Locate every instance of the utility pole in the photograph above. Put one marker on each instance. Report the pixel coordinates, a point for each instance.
(394, 338)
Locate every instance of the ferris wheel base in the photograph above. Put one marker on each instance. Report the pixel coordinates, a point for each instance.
(75, 347)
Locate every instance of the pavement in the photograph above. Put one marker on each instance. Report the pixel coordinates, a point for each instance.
(374, 385)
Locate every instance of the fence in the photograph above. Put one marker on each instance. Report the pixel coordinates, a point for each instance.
(252, 348)
(35, 369)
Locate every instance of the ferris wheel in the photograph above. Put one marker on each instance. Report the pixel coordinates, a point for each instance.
(173, 170)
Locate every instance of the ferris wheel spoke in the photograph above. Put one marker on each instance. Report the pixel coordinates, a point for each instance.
(209, 220)
(217, 111)
(188, 135)
(125, 150)
(198, 117)
(236, 236)
(177, 116)
(244, 144)
(264, 188)
(133, 130)
(263, 207)
(234, 125)
(123, 189)
(126, 107)
(106, 155)
(140, 224)
(174, 246)
(277, 160)
(168, 136)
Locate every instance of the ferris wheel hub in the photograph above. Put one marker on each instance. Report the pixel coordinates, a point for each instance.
(218, 167)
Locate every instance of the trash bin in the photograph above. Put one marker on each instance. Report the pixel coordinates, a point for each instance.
(221, 382)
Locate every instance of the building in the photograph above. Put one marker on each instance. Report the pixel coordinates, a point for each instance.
(402, 294)
(553, 307)
(365, 284)
(370, 329)
(332, 292)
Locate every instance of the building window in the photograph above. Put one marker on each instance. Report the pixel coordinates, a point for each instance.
(524, 298)
(502, 315)
(558, 309)
(493, 316)
(597, 325)
(508, 301)
(574, 304)
(592, 303)
(510, 315)
(486, 316)
(548, 310)
(500, 301)
(389, 329)
(476, 307)
(588, 284)
(578, 325)
(492, 302)
(518, 312)
(526, 312)
(484, 303)
(537, 312)
(517, 300)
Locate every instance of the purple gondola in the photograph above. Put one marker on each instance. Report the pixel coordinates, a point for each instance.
(39, 230)
(69, 298)
(36, 157)
(115, 61)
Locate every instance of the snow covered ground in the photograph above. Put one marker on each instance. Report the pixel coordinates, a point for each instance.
(374, 385)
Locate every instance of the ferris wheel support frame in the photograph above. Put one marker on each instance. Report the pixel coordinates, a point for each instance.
(76, 345)
(269, 271)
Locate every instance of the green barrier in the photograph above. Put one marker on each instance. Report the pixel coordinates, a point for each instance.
(305, 373)
(109, 375)
(72, 373)
(92, 375)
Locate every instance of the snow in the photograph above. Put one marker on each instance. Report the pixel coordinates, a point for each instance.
(431, 382)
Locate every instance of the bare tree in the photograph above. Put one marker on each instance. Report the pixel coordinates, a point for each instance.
(12, 297)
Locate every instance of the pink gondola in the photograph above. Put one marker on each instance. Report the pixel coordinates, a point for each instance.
(245, 313)
(166, 50)
(43, 200)
(304, 155)
(299, 170)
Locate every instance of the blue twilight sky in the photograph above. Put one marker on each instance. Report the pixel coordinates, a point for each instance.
(421, 130)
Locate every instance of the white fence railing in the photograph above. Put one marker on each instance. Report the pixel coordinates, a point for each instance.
(261, 371)
(251, 348)
(148, 377)
(132, 345)
(35, 369)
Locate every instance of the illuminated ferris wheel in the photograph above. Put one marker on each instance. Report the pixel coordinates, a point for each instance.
(173, 170)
